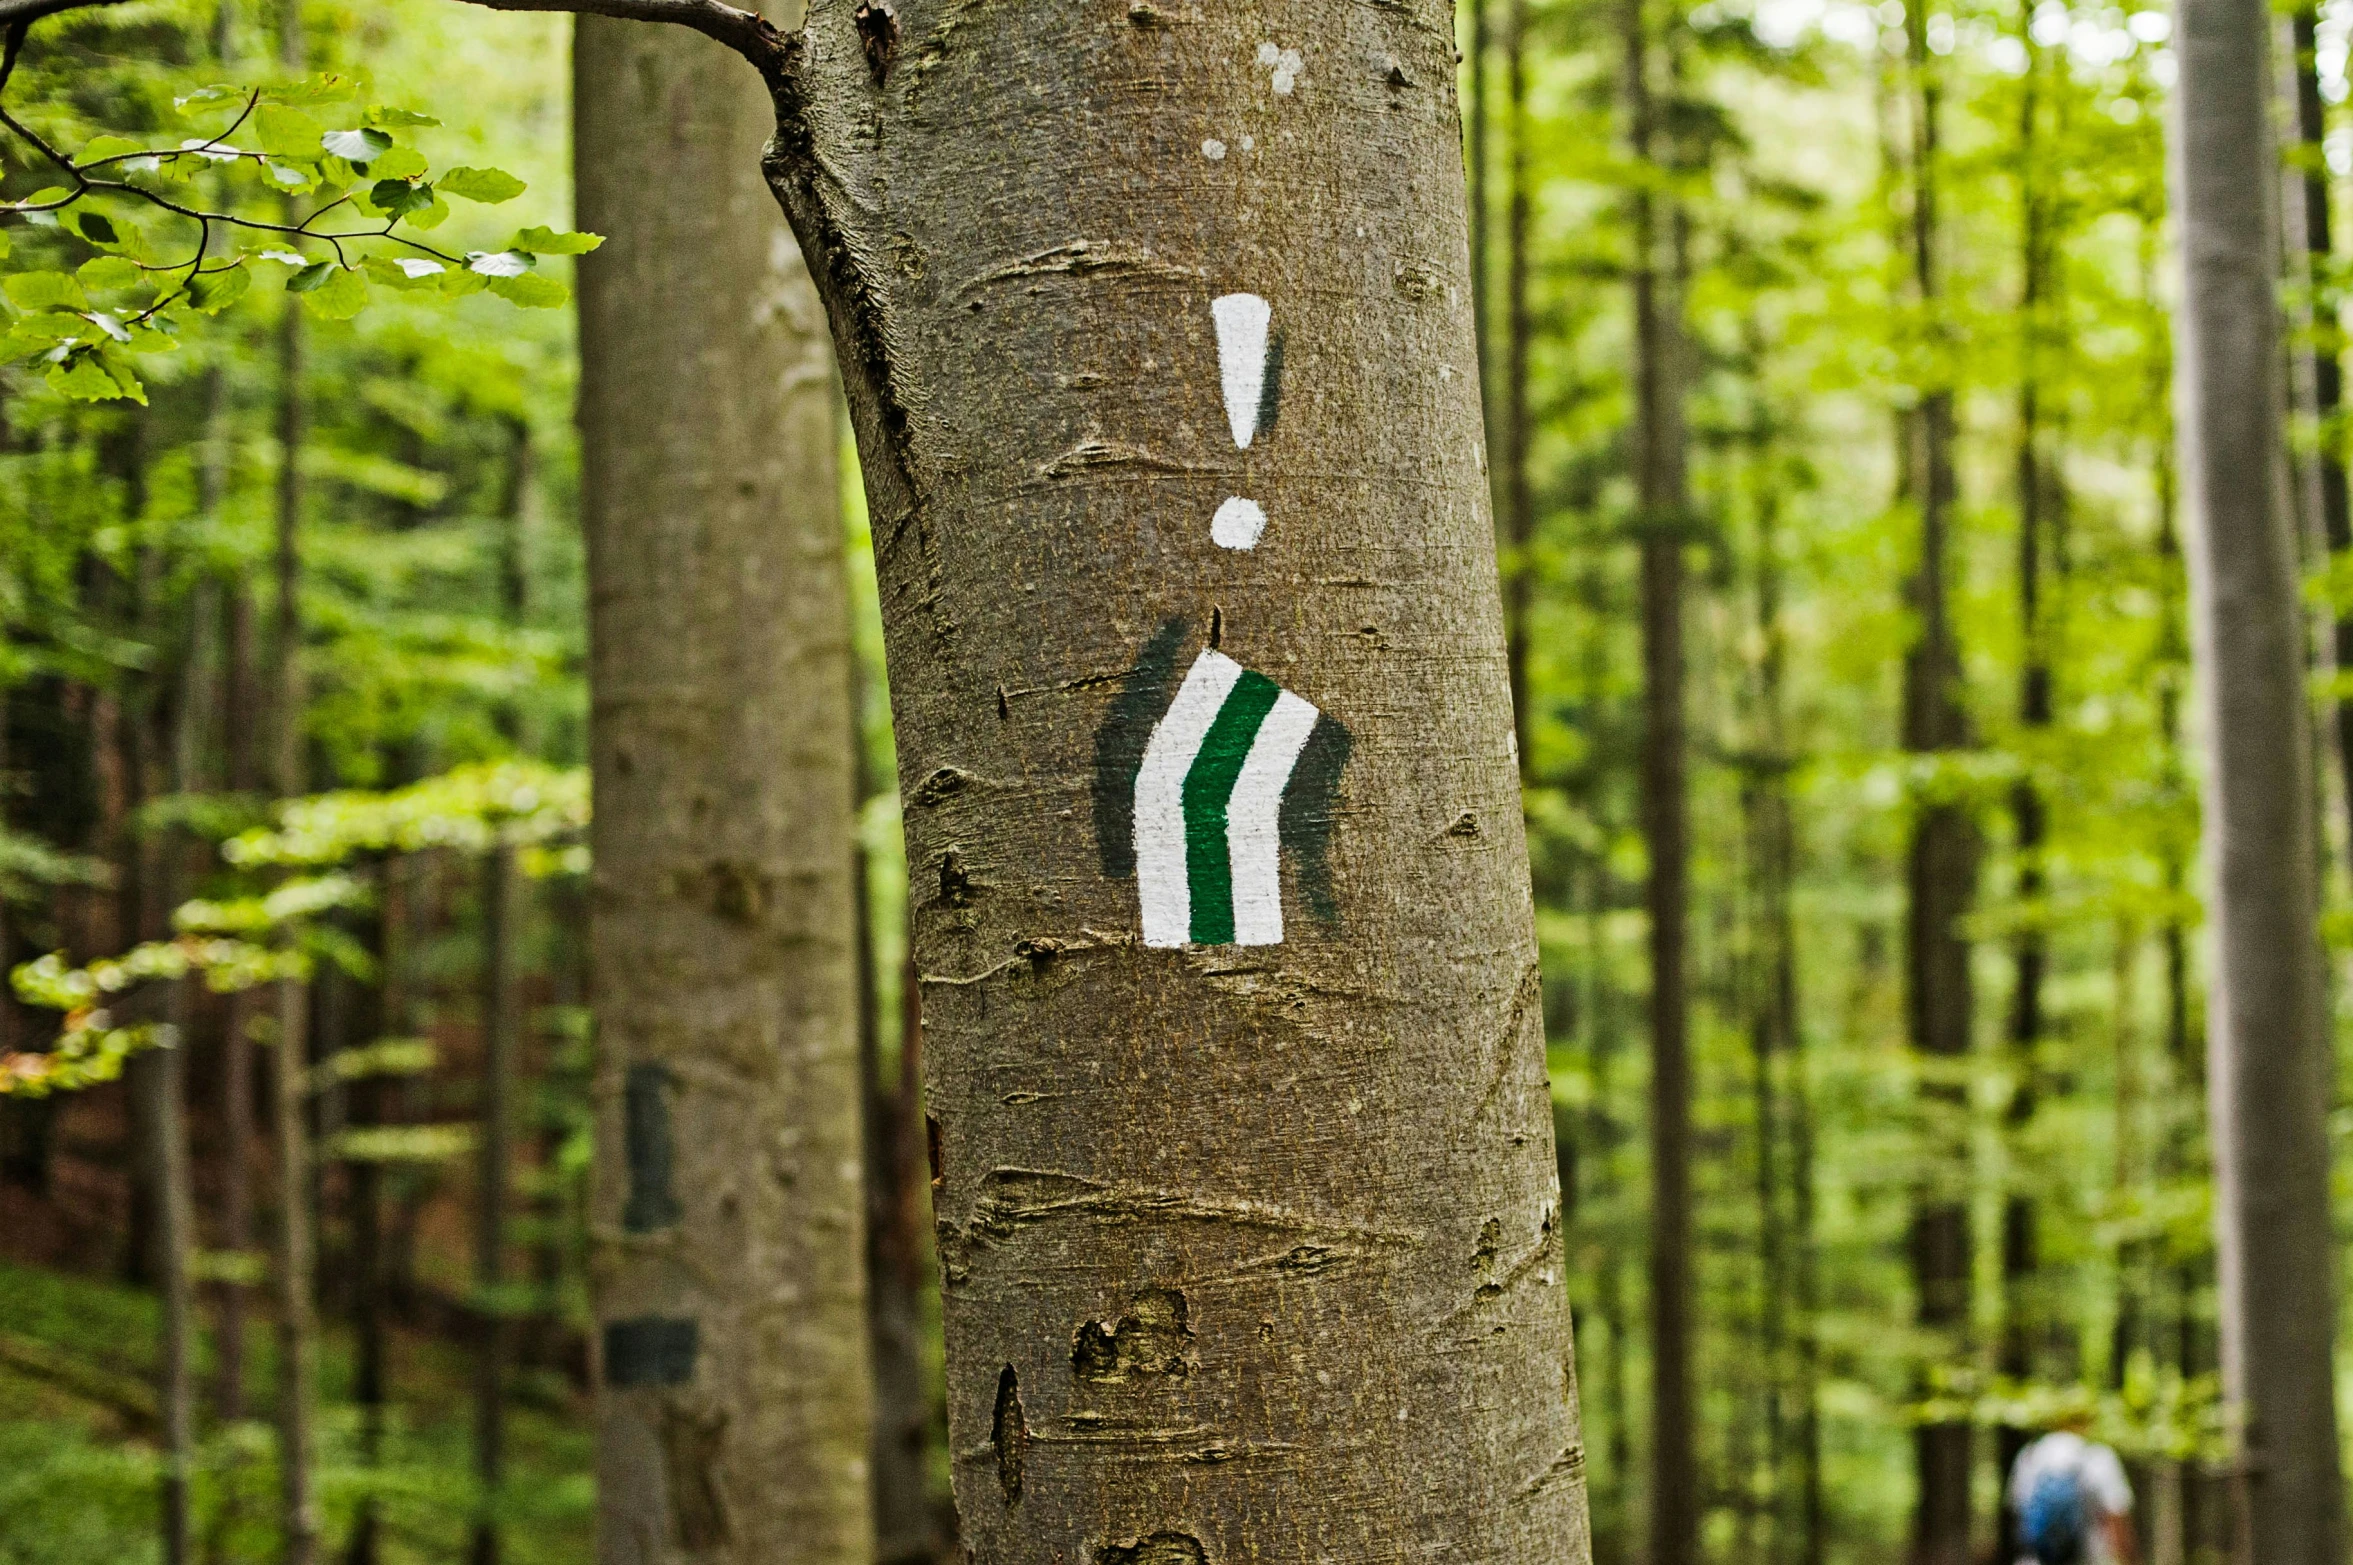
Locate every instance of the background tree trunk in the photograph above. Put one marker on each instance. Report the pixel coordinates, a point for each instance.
(2031, 953)
(1662, 485)
(502, 913)
(2325, 370)
(2269, 1066)
(1246, 1250)
(1941, 877)
(730, 1290)
(1519, 504)
(290, 1108)
(297, 1331)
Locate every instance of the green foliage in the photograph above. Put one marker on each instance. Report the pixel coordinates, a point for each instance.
(473, 809)
(165, 216)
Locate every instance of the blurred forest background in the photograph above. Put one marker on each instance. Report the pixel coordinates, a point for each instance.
(1868, 214)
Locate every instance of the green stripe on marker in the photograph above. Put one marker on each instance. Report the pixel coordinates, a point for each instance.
(1209, 784)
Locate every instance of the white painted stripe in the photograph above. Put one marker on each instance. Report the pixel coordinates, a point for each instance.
(1254, 821)
(1241, 359)
(1160, 798)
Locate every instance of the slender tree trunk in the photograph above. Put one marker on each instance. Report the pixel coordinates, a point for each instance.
(1941, 875)
(501, 915)
(2269, 1066)
(1478, 161)
(1774, 1025)
(735, 1423)
(898, 1211)
(297, 1334)
(290, 1109)
(505, 905)
(2325, 371)
(1519, 506)
(234, 711)
(2133, 1284)
(1661, 490)
(369, 1318)
(1136, 1186)
(2031, 951)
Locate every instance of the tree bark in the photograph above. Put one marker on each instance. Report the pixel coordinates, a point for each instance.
(1661, 486)
(2268, 1056)
(1244, 1251)
(735, 1421)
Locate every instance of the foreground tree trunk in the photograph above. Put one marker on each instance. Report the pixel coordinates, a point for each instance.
(2268, 1055)
(1247, 1252)
(730, 1262)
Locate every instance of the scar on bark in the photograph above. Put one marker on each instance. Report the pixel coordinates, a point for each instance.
(1483, 1257)
(691, 1444)
(1161, 1548)
(878, 34)
(1009, 1434)
(1150, 1339)
(931, 1148)
(955, 885)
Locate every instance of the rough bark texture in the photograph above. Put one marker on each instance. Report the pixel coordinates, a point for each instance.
(1248, 1252)
(2268, 1062)
(729, 1261)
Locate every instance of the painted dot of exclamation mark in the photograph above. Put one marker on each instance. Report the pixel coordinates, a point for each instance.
(1250, 372)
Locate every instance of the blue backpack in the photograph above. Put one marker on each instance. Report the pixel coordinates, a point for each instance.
(2055, 1524)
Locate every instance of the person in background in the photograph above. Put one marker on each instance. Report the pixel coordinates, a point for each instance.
(2071, 1501)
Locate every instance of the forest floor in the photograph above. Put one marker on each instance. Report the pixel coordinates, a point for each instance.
(78, 1463)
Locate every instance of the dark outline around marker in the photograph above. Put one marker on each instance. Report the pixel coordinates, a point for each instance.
(1310, 799)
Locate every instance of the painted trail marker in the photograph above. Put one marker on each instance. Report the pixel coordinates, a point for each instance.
(1200, 790)
(1242, 321)
(1249, 372)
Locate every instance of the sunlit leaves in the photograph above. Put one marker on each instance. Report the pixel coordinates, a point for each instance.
(488, 185)
(546, 241)
(334, 193)
(30, 291)
(356, 146)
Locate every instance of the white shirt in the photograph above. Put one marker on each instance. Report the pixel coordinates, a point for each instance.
(2097, 1471)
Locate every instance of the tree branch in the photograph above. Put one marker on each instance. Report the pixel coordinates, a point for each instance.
(746, 32)
(15, 13)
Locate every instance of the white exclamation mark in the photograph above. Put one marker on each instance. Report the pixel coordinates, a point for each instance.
(1242, 320)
